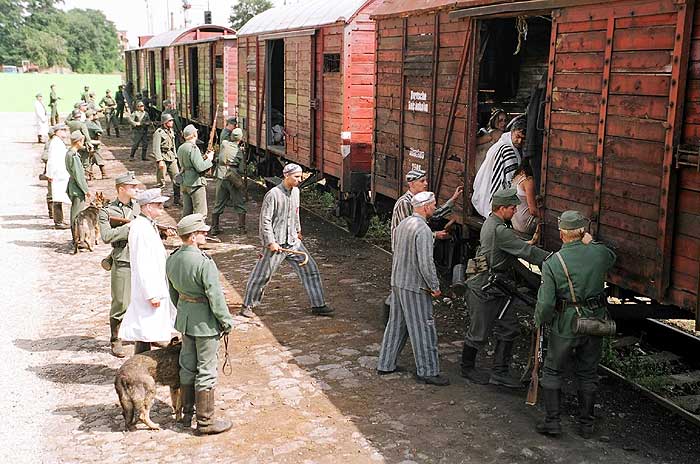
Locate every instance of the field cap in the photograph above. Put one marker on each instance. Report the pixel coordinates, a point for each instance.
(128, 178)
(505, 197)
(76, 136)
(572, 220)
(165, 117)
(237, 133)
(189, 131)
(232, 120)
(422, 199)
(39, 95)
(58, 127)
(76, 113)
(108, 91)
(139, 103)
(191, 223)
(414, 174)
(290, 169)
(166, 102)
(153, 195)
(89, 113)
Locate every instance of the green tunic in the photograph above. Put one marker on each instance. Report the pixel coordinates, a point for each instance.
(193, 165)
(164, 145)
(77, 185)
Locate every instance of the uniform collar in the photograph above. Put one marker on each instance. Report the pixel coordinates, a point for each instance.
(190, 248)
(130, 204)
(574, 244)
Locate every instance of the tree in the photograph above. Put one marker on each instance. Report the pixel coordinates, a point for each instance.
(242, 11)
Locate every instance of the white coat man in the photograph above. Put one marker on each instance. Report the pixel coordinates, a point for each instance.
(57, 174)
(150, 316)
(41, 119)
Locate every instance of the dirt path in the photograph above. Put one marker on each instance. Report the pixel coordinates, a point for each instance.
(303, 389)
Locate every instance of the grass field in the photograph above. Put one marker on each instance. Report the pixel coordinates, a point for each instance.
(17, 91)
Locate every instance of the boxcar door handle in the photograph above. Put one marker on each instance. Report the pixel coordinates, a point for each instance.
(541, 112)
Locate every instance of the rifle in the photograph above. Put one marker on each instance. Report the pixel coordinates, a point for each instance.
(537, 361)
(162, 227)
(212, 132)
(509, 290)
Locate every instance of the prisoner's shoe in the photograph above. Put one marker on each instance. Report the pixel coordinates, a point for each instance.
(247, 311)
(395, 370)
(117, 349)
(476, 375)
(324, 310)
(436, 380)
(61, 226)
(504, 379)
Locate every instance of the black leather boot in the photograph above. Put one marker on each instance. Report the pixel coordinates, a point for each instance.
(586, 404)
(206, 423)
(215, 229)
(469, 369)
(58, 216)
(114, 341)
(501, 366)
(551, 425)
(49, 206)
(187, 394)
(141, 347)
(103, 172)
(176, 195)
(241, 223)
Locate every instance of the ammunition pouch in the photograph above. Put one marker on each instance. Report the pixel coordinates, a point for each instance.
(234, 178)
(477, 265)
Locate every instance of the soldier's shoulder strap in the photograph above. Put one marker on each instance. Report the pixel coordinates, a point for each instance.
(175, 250)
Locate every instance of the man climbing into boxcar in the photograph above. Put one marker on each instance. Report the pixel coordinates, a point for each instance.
(230, 190)
(498, 254)
(573, 286)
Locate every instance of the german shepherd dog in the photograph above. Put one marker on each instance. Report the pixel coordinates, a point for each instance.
(86, 228)
(136, 382)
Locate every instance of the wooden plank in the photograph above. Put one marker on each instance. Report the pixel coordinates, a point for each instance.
(572, 141)
(648, 62)
(577, 42)
(639, 84)
(576, 102)
(575, 122)
(634, 128)
(647, 38)
(633, 208)
(639, 107)
(632, 224)
(577, 82)
(579, 62)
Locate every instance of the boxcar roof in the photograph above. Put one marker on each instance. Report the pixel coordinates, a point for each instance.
(311, 14)
(170, 37)
(402, 7)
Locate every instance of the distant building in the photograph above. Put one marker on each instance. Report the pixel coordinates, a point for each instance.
(123, 42)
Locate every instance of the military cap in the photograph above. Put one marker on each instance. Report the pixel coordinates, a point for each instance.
(39, 95)
(290, 169)
(90, 113)
(87, 87)
(422, 199)
(76, 136)
(120, 86)
(572, 220)
(189, 131)
(128, 178)
(505, 197)
(166, 102)
(165, 117)
(153, 195)
(232, 120)
(58, 127)
(78, 104)
(139, 103)
(76, 113)
(51, 131)
(91, 94)
(237, 133)
(108, 91)
(192, 223)
(414, 174)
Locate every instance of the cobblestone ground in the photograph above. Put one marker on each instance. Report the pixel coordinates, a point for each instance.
(303, 389)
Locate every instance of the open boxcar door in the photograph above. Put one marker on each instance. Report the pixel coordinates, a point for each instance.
(297, 93)
(615, 93)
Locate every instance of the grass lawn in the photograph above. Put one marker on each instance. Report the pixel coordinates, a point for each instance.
(17, 91)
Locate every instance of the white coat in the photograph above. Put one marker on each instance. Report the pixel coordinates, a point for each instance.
(41, 119)
(147, 256)
(56, 170)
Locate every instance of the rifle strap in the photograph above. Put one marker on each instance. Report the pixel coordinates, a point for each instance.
(568, 277)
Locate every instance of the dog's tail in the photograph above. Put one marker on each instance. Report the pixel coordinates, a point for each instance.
(126, 403)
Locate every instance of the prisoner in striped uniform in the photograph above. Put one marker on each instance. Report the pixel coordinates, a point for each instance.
(280, 227)
(414, 282)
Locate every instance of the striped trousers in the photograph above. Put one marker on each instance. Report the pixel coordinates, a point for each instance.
(411, 316)
(267, 265)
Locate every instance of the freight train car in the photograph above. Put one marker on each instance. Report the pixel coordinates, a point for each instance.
(306, 86)
(611, 92)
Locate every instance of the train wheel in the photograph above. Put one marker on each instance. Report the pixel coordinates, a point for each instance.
(358, 222)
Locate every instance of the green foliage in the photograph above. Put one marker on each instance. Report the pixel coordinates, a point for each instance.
(314, 197)
(36, 30)
(243, 10)
(379, 230)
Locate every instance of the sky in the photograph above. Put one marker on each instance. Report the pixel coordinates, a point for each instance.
(132, 15)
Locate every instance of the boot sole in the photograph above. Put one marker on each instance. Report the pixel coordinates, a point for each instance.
(506, 385)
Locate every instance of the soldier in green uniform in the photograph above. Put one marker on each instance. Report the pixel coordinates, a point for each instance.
(85, 94)
(93, 156)
(77, 184)
(501, 247)
(109, 105)
(229, 182)
(227, 131)
(169, 108)
(202, 318)
(575, 274)
(53, 104)
(194, 165)
(121, 103)
(139, 121)
(164, 152)
(117, 235)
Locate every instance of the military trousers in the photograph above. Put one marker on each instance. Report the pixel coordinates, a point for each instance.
(76, 206)
(139, 139)
(199, 361)
(120, 112)
(111, 122)
(484, 309)
(411, 316)
(54, 115)
(194, 200)
(120, 280)
(90, 158)
(268, 263)
(170, 169)
(228, 195)
(49, 194)
(585, 352)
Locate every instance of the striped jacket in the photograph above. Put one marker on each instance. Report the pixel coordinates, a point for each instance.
(403, 209)
(279, 216)
(413, 267)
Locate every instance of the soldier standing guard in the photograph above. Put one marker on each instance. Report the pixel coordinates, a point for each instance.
(121, 103)
(501, 248)
(202, 318)
(280, 227)
(57, 174)
(139, 122)
(77, 185)
(85, 94)
(227, 131)
(164, 152)
(53, 103)
(573, 282)
(117, 235)
(414, 283)
(194, 165)
(169, 108)
(108, 105)
(229, 182)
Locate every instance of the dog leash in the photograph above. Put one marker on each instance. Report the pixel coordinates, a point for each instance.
(226, 369)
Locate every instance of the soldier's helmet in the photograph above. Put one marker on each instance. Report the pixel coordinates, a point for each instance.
(139, 103)
(165, 117)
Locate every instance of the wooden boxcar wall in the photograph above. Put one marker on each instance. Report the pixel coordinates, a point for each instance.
(616, 89)
(229, 77)
(418, 62)
(329, 92)
(249, 90)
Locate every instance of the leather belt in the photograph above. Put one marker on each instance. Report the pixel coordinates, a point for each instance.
(593, 303)
(120, 244)
(191, 299)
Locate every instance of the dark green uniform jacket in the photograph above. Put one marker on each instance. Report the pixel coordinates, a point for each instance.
(117, 235)
(77, 185)
(193, 165)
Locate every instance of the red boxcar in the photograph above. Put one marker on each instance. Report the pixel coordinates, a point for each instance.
(616, 130)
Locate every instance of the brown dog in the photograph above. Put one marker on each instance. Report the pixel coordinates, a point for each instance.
(86, 226)
(136, 382)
